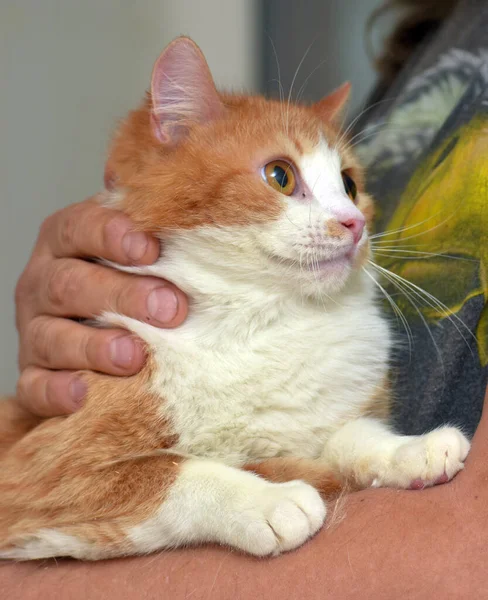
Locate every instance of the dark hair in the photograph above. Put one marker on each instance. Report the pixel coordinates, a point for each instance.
(417, 21)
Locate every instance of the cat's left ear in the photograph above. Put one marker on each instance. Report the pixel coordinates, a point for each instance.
(332, 107)
(182, 90)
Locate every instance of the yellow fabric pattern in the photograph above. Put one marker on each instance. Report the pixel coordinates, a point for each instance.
(444, 212)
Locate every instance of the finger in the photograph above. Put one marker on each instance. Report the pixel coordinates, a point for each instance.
(50, 393)
(88, 229)
(75, 288)
(62, 344)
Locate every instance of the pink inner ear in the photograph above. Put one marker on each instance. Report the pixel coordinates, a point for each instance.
(183, 91)
(331, 107)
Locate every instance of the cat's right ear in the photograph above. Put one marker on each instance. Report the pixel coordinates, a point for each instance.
(182, 90)
(332, 107)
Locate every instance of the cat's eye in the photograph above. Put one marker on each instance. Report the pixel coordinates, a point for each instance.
(280, 175)
(349, 186)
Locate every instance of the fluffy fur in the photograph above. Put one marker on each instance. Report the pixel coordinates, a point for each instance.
(276, 385)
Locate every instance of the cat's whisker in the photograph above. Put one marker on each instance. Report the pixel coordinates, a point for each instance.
(294, 224)
(333, 300)
(304, 84)
(436, 304)
(314, 264)
(293, 82)
(430, 300)
(280, 86)
(371, 129)
(409, 237)
(415, 245)
(356, 119)
(375, 129)
(411, 300)
(396, 309)
(375, 236)
(398, 246)
(396, 253)
(300, 260)
(316, 181)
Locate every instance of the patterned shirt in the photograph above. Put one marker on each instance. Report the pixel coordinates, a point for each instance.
(425, 146)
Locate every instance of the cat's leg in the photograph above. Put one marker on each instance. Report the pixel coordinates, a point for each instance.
(371, 454)
(206, 502)
(211, 502)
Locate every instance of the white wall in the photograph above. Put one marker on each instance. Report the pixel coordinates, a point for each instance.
(68, 69)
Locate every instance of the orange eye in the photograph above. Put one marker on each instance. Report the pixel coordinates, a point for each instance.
(280, 176)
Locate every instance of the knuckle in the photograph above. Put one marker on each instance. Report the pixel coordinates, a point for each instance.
(47, 225)
(40, 341)
(119, 294)
(114, 226)
(111, 231)
(23, 295)
(25, 384)
(68, 227)
(22, 289)
(61, 284)
(83, 351)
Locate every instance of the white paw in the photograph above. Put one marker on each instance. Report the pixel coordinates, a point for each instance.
(428, 460)
(277, 518)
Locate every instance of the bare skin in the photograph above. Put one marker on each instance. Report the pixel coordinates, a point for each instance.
(60, 284)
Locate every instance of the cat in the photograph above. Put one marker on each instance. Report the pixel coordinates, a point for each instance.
(273, 395)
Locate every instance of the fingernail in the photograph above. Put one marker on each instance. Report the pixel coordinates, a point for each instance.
(77, 390)
(162, 305)
(122, 350)
(135, 244)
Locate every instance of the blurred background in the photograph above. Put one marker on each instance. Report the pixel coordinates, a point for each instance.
(70, 69)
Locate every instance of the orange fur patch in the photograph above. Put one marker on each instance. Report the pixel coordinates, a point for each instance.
(95, 472)
(213, 177)
(313, 472)
(14, 423)
(336, 230)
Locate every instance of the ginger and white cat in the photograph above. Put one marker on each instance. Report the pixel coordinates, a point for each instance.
(275, 388)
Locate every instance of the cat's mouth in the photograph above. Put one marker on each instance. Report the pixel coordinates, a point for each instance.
(315, 265)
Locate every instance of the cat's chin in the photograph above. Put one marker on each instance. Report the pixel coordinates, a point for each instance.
(316, 278)
(315, 268)
(328, 280)
(320, 275)
(330, 267)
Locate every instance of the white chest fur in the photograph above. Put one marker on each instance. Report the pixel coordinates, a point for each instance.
(266, 377)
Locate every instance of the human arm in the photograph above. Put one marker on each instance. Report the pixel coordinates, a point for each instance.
(61, 283)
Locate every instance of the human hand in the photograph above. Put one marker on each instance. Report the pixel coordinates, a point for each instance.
(60, 284)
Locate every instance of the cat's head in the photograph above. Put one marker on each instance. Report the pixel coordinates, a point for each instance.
(267, 190)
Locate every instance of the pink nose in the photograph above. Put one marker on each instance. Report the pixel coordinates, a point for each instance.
(356, 227)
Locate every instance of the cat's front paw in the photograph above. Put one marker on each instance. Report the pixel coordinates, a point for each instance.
(427, 460)
(279, 517)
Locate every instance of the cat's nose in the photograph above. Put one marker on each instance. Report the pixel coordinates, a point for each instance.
(355, 226)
